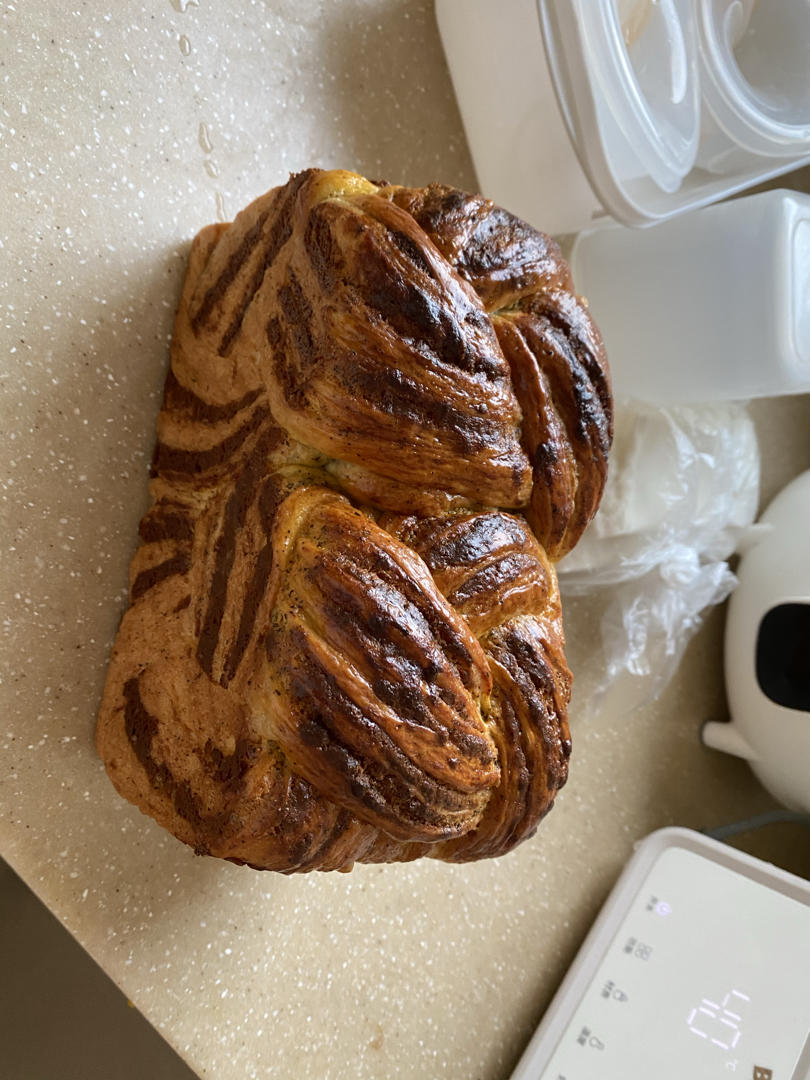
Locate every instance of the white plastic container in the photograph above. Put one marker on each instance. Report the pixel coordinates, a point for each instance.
(711, 306)
(523, 154)
(580, 109)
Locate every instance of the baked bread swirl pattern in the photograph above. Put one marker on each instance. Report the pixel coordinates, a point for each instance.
(387, 415)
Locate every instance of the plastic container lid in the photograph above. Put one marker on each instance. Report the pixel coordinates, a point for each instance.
(755, 59)
(625, 75)
(642, 57)
(542, 134)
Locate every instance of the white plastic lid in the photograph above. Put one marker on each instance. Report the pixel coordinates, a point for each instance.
(642, 59)
(755, 60)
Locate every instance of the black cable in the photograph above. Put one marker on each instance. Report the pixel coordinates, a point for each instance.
(771, 817)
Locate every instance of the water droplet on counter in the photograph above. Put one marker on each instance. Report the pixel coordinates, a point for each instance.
(220, 201)
(211, 168)
(181, 5)
(185, 45)
(204, 137)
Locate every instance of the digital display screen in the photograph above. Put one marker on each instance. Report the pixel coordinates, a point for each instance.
(708, 976)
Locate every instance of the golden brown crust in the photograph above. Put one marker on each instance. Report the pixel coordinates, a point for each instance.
(344, 641)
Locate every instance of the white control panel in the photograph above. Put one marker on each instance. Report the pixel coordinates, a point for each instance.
(698, 968)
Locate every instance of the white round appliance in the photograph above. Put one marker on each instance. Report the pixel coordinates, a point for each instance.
(767, 652)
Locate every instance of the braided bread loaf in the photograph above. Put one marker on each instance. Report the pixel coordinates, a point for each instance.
(387, 415)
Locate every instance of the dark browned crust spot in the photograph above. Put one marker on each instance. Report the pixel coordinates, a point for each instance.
(236, 509)
(181, 401)
(147, 579)
(217, 290)
(171, 459)
(141, 728)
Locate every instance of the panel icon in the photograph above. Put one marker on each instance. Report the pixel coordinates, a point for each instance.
(611, 990)
(659, 906)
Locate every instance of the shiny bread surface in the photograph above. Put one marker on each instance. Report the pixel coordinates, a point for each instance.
(387, 416)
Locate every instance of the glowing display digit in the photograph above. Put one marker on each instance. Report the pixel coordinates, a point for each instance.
(717, 1022)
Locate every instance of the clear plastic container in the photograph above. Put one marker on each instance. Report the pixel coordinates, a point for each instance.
(625, 74)
(711, 306)
(579, 109)
(755, 77)
(642, 59)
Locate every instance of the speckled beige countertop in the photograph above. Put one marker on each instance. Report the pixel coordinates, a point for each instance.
(124, 130)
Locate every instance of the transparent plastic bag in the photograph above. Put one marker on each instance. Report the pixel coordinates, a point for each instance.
(682, 491)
